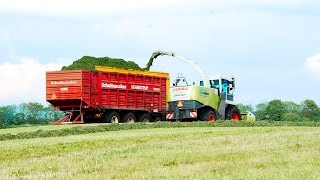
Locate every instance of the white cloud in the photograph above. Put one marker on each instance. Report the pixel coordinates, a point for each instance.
(96, 7)
(313, 64)
(24, 81)
(78, 7)
(4, 34)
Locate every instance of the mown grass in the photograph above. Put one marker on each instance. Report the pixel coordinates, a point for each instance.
(30, 128)
(63, 130)
(174, 153)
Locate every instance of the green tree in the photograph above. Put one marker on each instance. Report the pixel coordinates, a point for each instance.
(34, 112)
(7, 114)
(310, 109)
(292, 116)
(275, 109)
(245, 107)
(292, 107)
(52, 114)
(260, 112)
(19, 118)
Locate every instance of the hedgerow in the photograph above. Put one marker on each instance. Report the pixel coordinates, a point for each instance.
(77, 130)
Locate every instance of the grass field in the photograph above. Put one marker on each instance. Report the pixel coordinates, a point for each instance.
(174, 153)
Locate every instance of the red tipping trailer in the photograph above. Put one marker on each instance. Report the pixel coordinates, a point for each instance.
(109, 95)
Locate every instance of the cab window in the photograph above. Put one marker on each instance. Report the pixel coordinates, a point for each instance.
(225, 85)
(214, 84)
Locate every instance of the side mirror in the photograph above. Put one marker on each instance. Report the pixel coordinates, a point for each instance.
(233, 82)
(230, 89)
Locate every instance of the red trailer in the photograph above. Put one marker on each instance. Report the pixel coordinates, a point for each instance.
(109, 95)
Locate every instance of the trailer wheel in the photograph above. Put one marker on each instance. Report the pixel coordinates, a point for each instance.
(129, 117)
(208, 115)
(158, 119)
(113, 117)
(145, 118)
(233, 113)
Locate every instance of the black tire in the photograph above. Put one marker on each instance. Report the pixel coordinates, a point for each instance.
(233, 113)
(145, 118)
(112, 117)
(158, 119)
(208, 115)
(104, 118)
(129, 117)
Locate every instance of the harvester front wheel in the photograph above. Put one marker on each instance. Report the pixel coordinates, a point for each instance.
(233, 113)
(129, 117)
(208, 115)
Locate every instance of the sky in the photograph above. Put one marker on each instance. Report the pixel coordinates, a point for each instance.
(271, 47)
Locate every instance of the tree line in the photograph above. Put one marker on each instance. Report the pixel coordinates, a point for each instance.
(277, 110)
(28, 113)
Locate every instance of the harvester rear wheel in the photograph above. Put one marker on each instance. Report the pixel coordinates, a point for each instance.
(145, 118)
(233, 113)
(113, 117)
(208, 115)
(129, 117)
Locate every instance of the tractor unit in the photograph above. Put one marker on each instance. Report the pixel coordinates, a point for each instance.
(210, 99)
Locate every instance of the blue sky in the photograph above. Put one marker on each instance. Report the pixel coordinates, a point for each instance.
(271, 47)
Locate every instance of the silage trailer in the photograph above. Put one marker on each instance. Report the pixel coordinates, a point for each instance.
(108, 95)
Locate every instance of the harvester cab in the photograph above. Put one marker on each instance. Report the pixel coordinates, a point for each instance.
(209, 100)
(222, 85)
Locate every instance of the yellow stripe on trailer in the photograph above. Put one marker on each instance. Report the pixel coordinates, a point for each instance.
(139, 72)
(132, 71)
